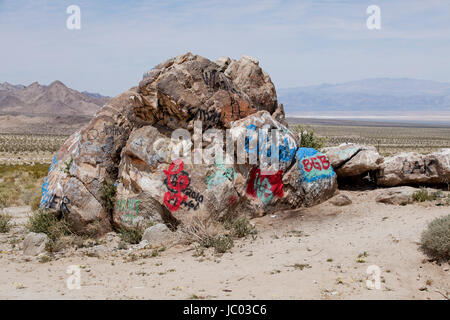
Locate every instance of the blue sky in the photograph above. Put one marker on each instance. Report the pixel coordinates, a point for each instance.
(297, 42)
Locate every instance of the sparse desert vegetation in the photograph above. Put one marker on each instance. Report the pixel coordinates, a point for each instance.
(273, 260)
(21, 184)
(388, 140)
(28, 149)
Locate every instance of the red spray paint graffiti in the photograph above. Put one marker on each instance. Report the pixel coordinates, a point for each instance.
(176, 182)
(265, 187)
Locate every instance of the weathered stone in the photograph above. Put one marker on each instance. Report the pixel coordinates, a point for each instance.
(98, 251)
(34, 243)
(130, 144)
(415, 169)
(341, 200)
(247, 75)
(157, 235)
(189, 88)
(353, 159)
(279, 115)
(396, 195)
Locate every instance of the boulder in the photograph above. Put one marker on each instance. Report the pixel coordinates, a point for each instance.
(191, 139)
(34, 244)
(396, 195)
(247, 75)
(350, 159)
(341, 200)
(415, 169)
(157, 235)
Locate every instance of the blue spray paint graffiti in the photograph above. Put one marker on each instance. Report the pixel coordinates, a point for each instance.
(286, 151)
(313, 164)
(220, 176)
(46, 196)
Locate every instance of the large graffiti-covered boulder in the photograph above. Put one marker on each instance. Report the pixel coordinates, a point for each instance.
(194, 138)
(163, 189)
(351, 159)
(415, 169)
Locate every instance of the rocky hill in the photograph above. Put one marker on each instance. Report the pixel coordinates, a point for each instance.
(54, 99)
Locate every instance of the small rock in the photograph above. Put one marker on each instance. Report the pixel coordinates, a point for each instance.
(99, 250)
(142, 244)
(34, 243)
(397, 195)
(341, 200)
(157, 234)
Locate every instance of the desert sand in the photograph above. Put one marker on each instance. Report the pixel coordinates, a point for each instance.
(310, 253)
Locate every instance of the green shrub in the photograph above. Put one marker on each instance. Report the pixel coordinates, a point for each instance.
(422, 195)
(108, 194)
(43, 221)
(220, 243)
(435, 240)
(309, 139)
(133, 235)
(67, 164)
(240, 227)
(5, 223)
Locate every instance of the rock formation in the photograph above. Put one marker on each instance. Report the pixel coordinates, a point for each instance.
(119, 170)
(415, 169)
(351, 159)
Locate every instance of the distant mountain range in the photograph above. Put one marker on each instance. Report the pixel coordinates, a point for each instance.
(54, 99)
(381, 97)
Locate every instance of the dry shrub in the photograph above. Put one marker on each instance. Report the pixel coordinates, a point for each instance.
(35, 202)
(131, 235)
(240, 227)
(5, 223)
(435, 240)
(43, 221)
(208, 233)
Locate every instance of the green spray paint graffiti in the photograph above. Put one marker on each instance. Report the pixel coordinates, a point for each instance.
(131, 207)
(220, 176)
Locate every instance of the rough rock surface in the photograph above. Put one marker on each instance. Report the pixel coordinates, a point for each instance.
(129, 146)
(34, 243)
(341, 200)
(251, 79)
(415, 169)
(157, 235)
(396, 195)
(350, 159)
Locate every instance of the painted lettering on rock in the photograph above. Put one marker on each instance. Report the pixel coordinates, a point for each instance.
(47, 195)
(127, 205)
(176, 181)
(265, 187)
(220, 176)
(313, 164)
